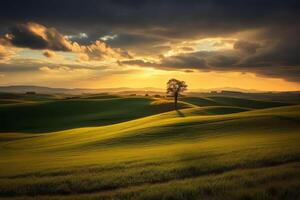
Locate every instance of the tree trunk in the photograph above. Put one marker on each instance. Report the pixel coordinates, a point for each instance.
(175, 100)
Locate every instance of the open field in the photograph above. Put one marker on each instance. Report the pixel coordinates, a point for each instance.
(138, 148)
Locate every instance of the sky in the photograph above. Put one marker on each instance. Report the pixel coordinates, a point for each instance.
(247, 44)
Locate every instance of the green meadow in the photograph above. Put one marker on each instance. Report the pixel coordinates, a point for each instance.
(122, 148)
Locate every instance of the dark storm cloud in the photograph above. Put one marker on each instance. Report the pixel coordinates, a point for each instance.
(35, 36)
(278, 56)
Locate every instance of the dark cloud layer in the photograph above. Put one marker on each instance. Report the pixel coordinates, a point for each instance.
(137, 21)
(169, 18)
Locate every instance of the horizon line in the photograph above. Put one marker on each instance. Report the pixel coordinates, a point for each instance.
(142, 88)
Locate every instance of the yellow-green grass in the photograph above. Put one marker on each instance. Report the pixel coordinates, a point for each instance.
(184, 154)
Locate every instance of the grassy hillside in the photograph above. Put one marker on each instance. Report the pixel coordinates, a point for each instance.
(44, 116)
(232, 101)
(194, 153)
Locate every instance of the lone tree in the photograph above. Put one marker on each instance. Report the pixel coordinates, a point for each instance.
(175, 88)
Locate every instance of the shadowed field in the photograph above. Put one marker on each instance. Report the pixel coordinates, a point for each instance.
(53, 115)
(214, 148)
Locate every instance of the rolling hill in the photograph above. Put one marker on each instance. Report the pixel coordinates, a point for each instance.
(53, 115)
(219, 151)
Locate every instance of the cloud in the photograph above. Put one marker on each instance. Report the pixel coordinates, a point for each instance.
(109, 37)
(64, 70)
(3, 54)
(200, 60)
(77, 36)
(6, 53)
(99, 50)
(187, 48)
(245, 46)
(140, 63)
(59, 69)
(35, 36)
(49, 54)
(139, 44)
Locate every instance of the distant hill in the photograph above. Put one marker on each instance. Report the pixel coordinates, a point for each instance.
(49, 90)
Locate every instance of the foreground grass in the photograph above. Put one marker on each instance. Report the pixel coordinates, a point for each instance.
(258, 183)
(195, 153)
